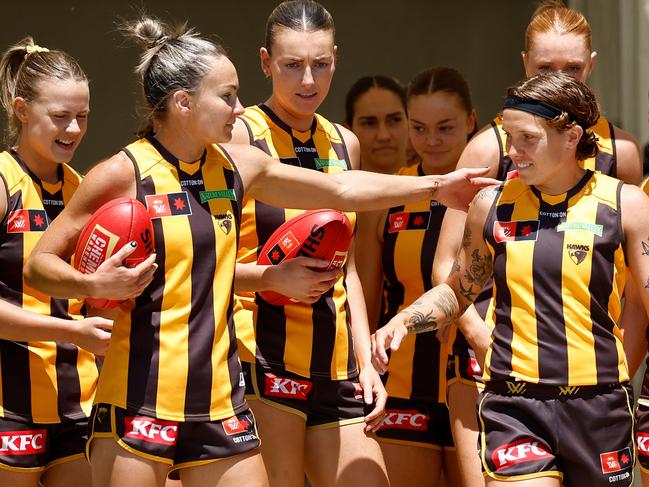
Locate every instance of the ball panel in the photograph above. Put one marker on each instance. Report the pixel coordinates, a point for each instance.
(324, 234)
(112, 226)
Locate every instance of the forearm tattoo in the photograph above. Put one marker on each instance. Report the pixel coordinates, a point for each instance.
(421, 320)
(645, 248)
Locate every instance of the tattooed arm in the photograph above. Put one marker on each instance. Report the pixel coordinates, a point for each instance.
(635, 225)
(448, 300)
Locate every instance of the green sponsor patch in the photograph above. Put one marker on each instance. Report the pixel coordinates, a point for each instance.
(320, 163)
(221, 194)
(589, 227)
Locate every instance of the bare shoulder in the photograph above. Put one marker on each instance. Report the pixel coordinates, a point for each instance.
(483, 200)
(111, 178)
(352, 144)
(632, 198)
(629, 162)
(483, 150)
(240, 134)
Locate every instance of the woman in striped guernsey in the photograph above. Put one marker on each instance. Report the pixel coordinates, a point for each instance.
(398, 251)
(48, 374)
(556, 409)
(171, 394)
(557, 39)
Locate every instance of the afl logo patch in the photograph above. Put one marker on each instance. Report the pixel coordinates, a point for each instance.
(578, 252)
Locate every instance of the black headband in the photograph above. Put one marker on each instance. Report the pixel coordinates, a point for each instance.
(542, 109)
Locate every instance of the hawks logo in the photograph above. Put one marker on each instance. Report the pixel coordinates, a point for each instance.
(578, 252)
(225, 222)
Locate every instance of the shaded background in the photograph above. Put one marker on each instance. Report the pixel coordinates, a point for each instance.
(481, 38)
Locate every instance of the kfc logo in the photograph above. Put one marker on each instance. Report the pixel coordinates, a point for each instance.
(22, 442)
(642, 439)
(525, 450)
(473, 368)
(405, 420)
(151, 430)
(283, 387)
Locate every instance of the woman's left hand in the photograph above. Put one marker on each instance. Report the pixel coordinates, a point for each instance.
(373, 392)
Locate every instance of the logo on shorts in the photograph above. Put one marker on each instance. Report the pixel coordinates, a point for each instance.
(30, 442)
(525, 450)
(473, 368)
(283, 387)
(642, 439)
(614, 461)
(405, 420)
(151, 430)
(234, 425)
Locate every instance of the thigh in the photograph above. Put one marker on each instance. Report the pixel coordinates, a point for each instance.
(20, 479)
(344, 456)
(462, 400)
(411, 465)
(645, 479)
(282, 443)
(540, 482)
(244, 469)
(74, 472)
(451, 468)
(114, 466)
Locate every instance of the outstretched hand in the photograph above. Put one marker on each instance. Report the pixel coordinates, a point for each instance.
(458, 188)
(389, 336)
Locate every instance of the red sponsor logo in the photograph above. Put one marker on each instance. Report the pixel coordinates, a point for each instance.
(614, 461)
(20, 221)
(504, 231)
(283, 387)
(525, 450)
(398, 221)
(405, 420)
(151, 430)
(31, 442)
(234, 426)
(642, 439)
(515, 231)
(170, 204)
(473, 368)
(288, 242)
(99, 247)
(358, 391)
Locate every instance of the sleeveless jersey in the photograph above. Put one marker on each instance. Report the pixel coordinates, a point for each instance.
(559, 274)
(605, 162)
(173, 352)
(418, 369)
(42, 382)
(311, 340)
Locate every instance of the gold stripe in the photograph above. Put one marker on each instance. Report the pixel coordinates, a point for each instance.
(336, 424)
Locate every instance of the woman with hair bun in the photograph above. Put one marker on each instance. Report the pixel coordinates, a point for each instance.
(170, 399)
(47, 368)
(556, 407)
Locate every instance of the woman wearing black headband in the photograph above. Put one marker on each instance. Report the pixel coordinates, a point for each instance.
(557, 241)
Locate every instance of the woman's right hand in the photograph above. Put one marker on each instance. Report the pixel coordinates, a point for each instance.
(298, 278)
(92, 334)
(113, 280)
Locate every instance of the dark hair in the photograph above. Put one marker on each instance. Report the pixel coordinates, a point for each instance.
(574, 98)
(444, 79)
(174, 59)
(22, 66)
(554, 16)
(300, 15)
(364, 84)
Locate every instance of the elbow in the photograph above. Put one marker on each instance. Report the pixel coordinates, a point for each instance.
(29, 273)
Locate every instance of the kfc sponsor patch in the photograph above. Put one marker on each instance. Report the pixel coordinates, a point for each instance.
(525, 450)
(30, 442)
(405, 420)
(283, 387)
(151, 430)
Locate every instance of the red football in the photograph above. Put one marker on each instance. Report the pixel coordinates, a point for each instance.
(112, 226)
(323, 234)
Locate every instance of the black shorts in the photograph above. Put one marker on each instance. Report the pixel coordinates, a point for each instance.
(642, 425)
(580, 436)
(178, 444)
(26, 446)
(323, 403)
(416, 423)
(463, 367)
